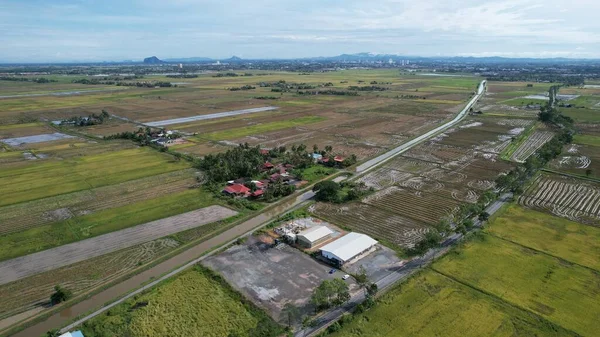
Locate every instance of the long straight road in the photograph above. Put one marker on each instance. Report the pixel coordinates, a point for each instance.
(193, 255)
(368, 165)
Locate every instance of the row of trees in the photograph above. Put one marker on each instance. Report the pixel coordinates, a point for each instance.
(331, 191)
(330, 293)
(92, 119)
(27, 79)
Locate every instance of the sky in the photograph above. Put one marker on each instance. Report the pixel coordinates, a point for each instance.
(115, 30)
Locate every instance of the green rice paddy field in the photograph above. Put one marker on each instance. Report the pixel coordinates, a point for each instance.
(528, 274)
(195, 303)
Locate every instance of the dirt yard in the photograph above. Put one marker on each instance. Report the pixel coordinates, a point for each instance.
(272, 276)
(24, 266)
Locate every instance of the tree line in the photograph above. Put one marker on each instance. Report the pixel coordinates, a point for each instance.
(25, 79)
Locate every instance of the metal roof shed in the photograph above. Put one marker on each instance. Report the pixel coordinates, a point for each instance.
(314, 235)
(347, 247)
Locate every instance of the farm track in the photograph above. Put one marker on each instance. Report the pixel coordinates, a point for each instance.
(14, 269)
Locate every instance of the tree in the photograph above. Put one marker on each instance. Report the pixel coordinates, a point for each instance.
(315, 148)
(330, 293)
(484, 216)
(362, 279)
(588, 172)
(291, 313)
(372, 289)
(328, 148)
(327, 191)
(60, 295)
(53, 333)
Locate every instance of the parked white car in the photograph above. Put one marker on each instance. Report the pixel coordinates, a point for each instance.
(345, 277)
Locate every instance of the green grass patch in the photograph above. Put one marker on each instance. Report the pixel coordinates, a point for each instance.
(565, 294)
(523, 101)
(34, 180)
(583, 115)
(507, 153)
(317, 172)
(557, 236)
(260, 128)
(587, 140)
(106, 221)
(195, 303)
(433, 305)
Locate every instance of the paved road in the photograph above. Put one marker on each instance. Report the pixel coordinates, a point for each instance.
(368, 165)
(396, 276)
(210, 116)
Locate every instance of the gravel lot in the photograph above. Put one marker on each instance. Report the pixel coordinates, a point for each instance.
(272, 276)
(15, 269)
(378, 264)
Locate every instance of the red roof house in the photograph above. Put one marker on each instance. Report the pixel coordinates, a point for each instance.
(267, 166)
(339, 159)
(236, 190)
(257, 193)
(264, 151)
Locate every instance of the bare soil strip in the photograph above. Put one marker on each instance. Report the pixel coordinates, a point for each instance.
(35, 139)
(28, 265)
(210, 116)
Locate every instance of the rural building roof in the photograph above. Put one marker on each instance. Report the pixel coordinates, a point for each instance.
(338, 158)
(72, 334)
(236, 189)
(349, 245)
(267, 165)
(315, 233)
(264, 151)
(317, 156)
(258, 193)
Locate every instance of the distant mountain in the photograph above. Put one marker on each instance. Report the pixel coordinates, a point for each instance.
(189, 59)
(153, 60)
(233, 59)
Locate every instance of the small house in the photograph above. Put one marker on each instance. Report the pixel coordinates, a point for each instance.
(236, 190)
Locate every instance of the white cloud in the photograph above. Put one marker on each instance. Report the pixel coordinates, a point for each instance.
(262, 28)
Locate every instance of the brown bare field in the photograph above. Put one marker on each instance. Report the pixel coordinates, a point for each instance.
(427, 183)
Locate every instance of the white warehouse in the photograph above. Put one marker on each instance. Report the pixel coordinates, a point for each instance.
(313, 236)
(347, 248)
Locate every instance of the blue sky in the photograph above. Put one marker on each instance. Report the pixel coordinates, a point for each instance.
(88, 30)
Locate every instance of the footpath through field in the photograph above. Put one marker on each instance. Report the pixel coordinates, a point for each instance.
(193, 255)
(363, 168)
(398, 275)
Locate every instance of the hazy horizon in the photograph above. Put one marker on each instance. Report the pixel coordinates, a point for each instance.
(34, 31)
